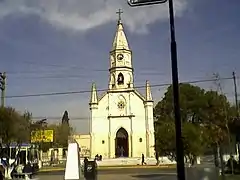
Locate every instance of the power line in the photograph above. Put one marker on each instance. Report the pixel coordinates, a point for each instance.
(67, 75)
(62, 66)
(50, 75)
(57, 77)
(66, 68)
(100, 90)
(53, 118)
(49, 72)
(76, 76)
(59, 65)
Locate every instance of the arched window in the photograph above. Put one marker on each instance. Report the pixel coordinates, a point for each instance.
(112, 81)
(120, 79)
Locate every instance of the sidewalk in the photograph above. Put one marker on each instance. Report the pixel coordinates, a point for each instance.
(48, 169)
(137, 166)
(231, 177)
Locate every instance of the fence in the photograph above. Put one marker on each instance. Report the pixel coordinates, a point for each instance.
(59, 160)
(58, 157)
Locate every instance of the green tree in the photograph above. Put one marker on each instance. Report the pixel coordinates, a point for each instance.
(218, 116)
(194, 137)
(205, 116)
(191, 98)
(195, 140)
(61, 134)
(14, 127)
(39, 125)
(165, 139)
(65, 118)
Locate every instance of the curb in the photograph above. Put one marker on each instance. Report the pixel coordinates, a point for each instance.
(114, 167)
(51, 169)
(134, 167)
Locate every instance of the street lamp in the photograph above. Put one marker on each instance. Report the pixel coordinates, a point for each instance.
(178, 123)
(135, 3)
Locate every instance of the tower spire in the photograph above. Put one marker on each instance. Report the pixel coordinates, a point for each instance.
(94, 97)
(148, 92)
(121, 70)
(120, 40)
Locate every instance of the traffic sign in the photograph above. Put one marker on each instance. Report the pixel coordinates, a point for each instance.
(134, 3)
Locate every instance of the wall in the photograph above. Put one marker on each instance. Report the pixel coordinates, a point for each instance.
(108, 118)
(84, 143)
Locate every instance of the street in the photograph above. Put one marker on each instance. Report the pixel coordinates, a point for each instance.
(120, 174)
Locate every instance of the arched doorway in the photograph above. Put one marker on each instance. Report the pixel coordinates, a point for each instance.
(121, 143)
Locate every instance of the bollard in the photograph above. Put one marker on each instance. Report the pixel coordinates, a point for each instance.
(90, 170)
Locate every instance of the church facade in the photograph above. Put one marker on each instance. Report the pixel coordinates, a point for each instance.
(121, 119)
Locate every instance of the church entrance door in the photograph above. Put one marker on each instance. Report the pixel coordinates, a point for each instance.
(121, 143)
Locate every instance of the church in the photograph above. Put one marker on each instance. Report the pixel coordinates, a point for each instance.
(121, 119)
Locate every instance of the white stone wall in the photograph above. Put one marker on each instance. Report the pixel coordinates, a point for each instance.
(106, 121)
(84, 141)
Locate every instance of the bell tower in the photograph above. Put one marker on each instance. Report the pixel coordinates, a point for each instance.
(121, 71)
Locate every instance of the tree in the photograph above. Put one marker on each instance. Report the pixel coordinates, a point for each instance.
(195, 140)
(204, 114)
(234, 127)
(39, 125)
(165, 139)
(14, 128)
(219, 114)
(61, 134)
(65, 118)
(64, 131)
(191, 98)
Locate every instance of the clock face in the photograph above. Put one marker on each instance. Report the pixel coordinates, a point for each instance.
(121, 105)
(120, 57)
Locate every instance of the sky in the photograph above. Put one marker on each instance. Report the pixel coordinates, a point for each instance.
(63, 46)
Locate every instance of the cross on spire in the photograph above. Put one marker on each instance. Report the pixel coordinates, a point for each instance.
(119, 12)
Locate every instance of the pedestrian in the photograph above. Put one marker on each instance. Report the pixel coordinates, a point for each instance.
(157, 158)
(143, 160)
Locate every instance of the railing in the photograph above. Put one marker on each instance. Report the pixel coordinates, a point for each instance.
(60, 160)
(53, 161)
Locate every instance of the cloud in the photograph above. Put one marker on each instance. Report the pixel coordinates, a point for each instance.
(82, 15)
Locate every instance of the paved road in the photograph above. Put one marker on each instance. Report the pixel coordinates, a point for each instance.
(120, 174)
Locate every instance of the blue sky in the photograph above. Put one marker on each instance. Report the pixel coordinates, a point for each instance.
(60, 46)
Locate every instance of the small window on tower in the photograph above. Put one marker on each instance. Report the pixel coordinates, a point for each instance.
(120, 79)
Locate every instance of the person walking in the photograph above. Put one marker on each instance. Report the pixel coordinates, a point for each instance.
(143, 160)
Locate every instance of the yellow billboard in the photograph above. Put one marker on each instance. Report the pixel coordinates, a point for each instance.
(42, 136)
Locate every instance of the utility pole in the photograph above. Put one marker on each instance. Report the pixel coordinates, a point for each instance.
(235, 92)
(3, 87)
(220, 153)
(237, 109)
(175, 83)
